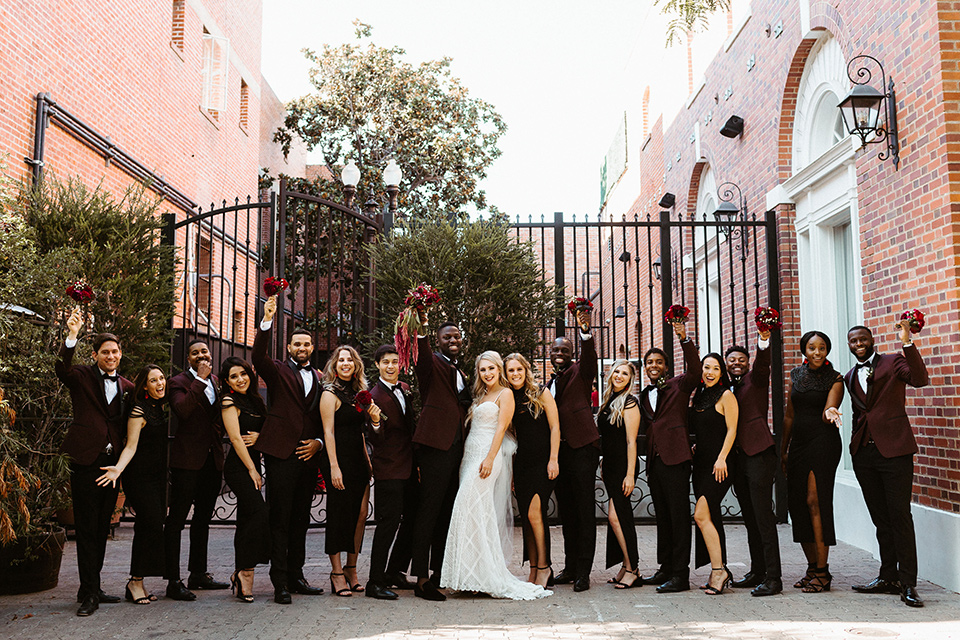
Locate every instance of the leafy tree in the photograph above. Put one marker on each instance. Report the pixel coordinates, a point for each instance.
(689, 16)
(371, 105)
(489, 282)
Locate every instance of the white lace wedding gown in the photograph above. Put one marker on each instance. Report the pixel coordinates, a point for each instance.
(482, 522)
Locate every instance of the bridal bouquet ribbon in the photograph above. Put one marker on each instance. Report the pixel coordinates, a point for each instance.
(408, 325)
(915, 318)
(272, 286)
(81, 292)
(676, 313)
(767, 319)
(579, 304)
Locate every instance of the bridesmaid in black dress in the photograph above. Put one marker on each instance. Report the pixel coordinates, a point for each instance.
(811, 453)
(713, 420)
(345, 464)
(619, 423)
(535, 467)
(243, 413)
(143, 463)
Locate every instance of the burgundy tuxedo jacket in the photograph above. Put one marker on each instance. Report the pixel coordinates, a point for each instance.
(291, 417)
(441, 412)
(882, 410)
(94, 422)
(666, 428)
(753, 430)
(392, 444)
(574, 407)
(198, 425)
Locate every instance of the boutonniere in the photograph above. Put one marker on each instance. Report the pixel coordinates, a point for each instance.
(661, 382)
(869, 374)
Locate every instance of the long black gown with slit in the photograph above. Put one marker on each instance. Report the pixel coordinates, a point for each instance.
(815, 447)
(710, 429)
(530, 464)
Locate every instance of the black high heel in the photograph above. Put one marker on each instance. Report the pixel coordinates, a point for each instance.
(550, 581)
(357, 587)
(237, 589)
(346, 592)
(129, 594)
(808, 576)
(821, 580)
(636, 580)
(714, 591)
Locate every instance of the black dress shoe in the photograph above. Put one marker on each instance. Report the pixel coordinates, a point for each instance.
(205, 581)
(908, 596)
(281, 595)
(878, 586)
(303, 587)
(176, 591)
(675, 584)
(89, 605)
(380, 592)
(769, 587)
(657, 578)
(750, 579)
(397, 580)
(102, 597)
(564, 577)
(582, 583)
(428, 591)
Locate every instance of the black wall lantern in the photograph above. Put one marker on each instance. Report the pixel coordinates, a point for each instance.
(668, 200)
(862, 107)
(656, 268)
(732, 127)
(731, 210)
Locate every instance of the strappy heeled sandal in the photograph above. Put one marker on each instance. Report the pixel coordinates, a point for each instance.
(346, 592)
(820, 581)
(635, 583)
(146, 599)
(620, 574)
(711, 590)
(357, 587)
(802, 582)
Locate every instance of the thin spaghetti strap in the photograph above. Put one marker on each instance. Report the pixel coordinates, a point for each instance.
(497, 399)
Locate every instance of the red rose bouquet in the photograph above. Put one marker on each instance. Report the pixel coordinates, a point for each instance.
(272, 286)
(362, 400)
(408, 325)
(915, 318)
(676, 313)
(579, 304)
(81, 292)
(767, 319)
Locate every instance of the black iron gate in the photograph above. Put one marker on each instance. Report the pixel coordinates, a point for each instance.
(224, 255)
(634, 269)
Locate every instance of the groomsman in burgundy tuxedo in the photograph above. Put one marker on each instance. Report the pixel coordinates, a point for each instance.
(438, 438)
(663, 411)
(196, 471)
(396, 478)
(94, 441)
(882, 446)
(290, 441)
(571, 385)
(756, 466)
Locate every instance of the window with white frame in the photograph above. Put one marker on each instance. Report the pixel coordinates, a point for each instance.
(216, 63)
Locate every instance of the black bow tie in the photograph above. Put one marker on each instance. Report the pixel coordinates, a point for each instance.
(393, 387)
(303, 367)
(112, 377)
(861, 365)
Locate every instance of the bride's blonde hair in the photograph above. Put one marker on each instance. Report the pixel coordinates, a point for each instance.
(480, 389)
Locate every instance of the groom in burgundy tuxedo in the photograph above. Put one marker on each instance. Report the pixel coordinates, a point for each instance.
(196, 471)
(663, 412)
(571, 385)
(395, 475)
(94, 441)
(882, 446)
(438, 438)
(290, 441)
(756, 466)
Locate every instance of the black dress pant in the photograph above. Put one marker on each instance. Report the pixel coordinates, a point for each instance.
(576, 502)
(753, 483)
(93, 507)
(251, 539)
(146, 495)
(290, 486)
(396, 504)
(887, 485)
(439, 481)
(198, 488)
(670, 491)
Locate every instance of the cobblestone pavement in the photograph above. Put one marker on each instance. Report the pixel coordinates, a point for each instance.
(601, 612)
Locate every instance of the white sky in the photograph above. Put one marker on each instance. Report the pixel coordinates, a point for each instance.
(561, 74)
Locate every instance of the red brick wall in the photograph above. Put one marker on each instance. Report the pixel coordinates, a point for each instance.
(909, 220)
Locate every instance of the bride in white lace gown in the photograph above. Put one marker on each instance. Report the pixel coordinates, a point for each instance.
(481, 527)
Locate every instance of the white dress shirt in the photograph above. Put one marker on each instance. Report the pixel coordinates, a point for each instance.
(210, 392)
(305, 374)
(398, 394)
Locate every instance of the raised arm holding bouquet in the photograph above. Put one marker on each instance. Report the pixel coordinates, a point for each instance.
(411, 320)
